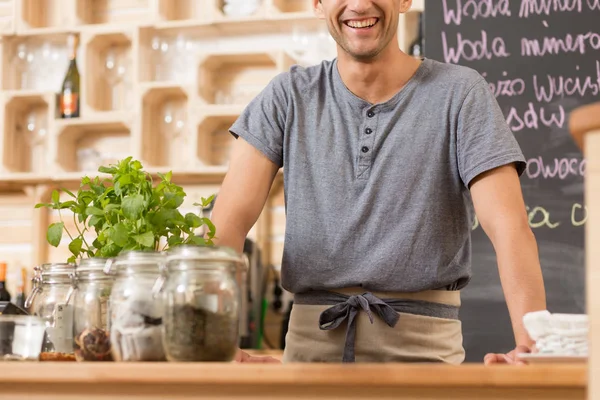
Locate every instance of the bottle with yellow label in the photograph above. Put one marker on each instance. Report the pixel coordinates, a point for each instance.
(69, 94)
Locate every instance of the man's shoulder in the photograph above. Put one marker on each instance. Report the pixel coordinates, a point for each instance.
(305, 78)
(458, 77)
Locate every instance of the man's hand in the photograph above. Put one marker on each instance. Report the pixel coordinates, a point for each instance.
(244, 357)
(509, 358)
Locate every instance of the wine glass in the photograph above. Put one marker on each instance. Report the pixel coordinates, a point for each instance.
(115, 70)
(35, 137)
(173, 119)
(20, 65)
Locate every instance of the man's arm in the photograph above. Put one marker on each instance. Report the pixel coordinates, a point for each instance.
(500, 209)
(242, 195)
(241, 198)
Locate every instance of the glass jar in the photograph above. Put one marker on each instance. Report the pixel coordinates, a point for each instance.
(51, 300)
(90, 303)
(135, 312)
(201, 299)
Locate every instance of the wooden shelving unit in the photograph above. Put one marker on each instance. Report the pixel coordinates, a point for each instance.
(161, 80)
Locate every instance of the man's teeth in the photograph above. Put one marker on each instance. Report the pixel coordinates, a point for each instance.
(367, 23)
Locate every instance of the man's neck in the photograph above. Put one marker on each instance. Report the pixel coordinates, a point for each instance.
(378, 80)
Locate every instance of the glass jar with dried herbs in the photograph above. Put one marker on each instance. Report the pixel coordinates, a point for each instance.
(51, 300)
(201, 299)
(90, 303)
(135, 312)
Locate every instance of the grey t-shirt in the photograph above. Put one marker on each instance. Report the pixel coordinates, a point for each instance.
(377, 194)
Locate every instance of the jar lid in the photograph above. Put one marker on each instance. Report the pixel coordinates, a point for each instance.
(220, 254)
(54, 269)
(92, 268)
(135, 261)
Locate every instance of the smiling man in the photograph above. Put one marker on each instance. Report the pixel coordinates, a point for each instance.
(386, 159)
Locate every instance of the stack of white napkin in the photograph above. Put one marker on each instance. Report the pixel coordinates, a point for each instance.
(239, 8)
(558, 334)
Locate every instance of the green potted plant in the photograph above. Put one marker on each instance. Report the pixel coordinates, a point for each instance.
(126, 211)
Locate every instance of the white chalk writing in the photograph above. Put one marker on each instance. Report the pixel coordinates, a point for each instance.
(561, 86)
(574, 220)
(535, 117)
(475, 9)
(473, 49)
(540, 7)
(560, 168)
(553, 45)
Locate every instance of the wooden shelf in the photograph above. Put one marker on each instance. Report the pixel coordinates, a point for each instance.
(26, 132)
(89, 12)
(165, 130)
(7, 17)
(214, 140)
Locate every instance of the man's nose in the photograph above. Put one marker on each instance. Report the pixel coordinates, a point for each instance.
(359, 6)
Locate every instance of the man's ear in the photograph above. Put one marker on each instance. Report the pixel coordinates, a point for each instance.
(318, 8)
(405, 5)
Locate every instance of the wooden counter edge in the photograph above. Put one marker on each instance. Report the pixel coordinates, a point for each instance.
(374, 375)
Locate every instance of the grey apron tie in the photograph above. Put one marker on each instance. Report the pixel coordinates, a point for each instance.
(346, 307)
(334, 316)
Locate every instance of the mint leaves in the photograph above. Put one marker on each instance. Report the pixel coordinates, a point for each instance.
(126, 212)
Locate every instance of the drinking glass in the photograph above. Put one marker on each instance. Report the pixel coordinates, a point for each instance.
(115, 70)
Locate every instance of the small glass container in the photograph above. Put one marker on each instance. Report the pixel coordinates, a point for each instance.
(135, 312)
(51, 300)
(201, 298)
(91, 303)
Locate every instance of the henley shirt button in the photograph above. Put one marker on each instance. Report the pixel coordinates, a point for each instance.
(370, 114)
(368, 131)
(365, 149)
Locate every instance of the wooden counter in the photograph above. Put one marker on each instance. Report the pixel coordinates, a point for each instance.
(94, 381)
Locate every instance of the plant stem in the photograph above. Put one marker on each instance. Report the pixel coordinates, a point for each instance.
(80, 232)
(65, 228)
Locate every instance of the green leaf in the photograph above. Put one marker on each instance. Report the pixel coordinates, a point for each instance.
(211, 227)
(193, 220)
(119, 234)
(145, 239)
(197, 240)
(39, 205)
(136, 165)
(94, 211)
(55, 196)
(67, 204)
(54, 234)
(72, 259)
(110, 250)
(124, 180)
(107, 170)
(174, 240)
(111, 207)
(69, 192)
(75, 246)
(95, 220)
(133, 206)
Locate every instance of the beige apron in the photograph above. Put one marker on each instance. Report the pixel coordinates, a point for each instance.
(417, 336)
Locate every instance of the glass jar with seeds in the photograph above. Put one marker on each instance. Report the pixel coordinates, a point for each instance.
(51, 300)
(135, 311)
(201, 298)
(91, 302)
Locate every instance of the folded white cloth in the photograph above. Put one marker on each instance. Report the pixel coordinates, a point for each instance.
(560, 334)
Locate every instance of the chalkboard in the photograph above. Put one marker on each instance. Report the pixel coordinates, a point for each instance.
(541, 59)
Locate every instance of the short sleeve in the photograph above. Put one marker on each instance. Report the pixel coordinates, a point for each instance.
(262, 122)
(484, 139)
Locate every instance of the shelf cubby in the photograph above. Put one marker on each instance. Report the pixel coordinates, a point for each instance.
(291, 8)
(235, 78)
(248, 12)
(84, 145)
(7, 17)
(90, 12)
(26, 128)
(410, 28)
(35, 62)
(165, 130)
(214, 141)
(110, 72)
(179, 10)
(42, 14)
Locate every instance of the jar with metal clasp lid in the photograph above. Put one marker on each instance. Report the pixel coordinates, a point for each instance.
(135, 312)
(201, 299)
(90, 305)
(51, 300)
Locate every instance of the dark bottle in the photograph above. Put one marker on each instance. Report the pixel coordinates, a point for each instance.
(4, 294)
(69, 94)
(416, 47)
(20, 298)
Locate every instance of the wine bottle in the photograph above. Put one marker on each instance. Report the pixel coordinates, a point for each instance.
(4, 294)
(416, 47)
(20, 298)
(69, 95)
